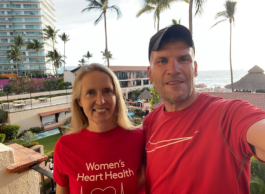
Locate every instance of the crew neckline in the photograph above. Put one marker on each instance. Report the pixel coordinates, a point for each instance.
(174, 113)
(101, 134)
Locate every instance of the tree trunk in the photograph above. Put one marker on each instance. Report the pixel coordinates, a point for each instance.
(190, 16)
(231, 69)
(157, 24)
(39, 62)
(17, 68)
(64, 58)
(106, 40)
(53, 60)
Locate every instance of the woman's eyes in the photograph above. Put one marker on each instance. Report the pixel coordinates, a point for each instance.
(106, 91)
(90, 92)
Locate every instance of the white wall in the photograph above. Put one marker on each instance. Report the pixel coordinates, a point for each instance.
(69, 77)
(24, 183)
(30, 118)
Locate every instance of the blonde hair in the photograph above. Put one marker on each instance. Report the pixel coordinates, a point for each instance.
(79, 119)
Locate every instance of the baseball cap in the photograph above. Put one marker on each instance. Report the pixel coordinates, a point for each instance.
(176, 31)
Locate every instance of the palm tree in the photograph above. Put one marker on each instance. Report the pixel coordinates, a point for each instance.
(175, 22)
(228, 14)
(158, 6)
(88, 55)
(35, 45)
(19, 42)
(103, 6)
(65, 38)
(51, 33)
(199, 9)
(56, 58)
(105, 55)
(82, 62)
(14, 55)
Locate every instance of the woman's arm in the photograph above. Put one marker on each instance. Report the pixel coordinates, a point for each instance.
(62, 190)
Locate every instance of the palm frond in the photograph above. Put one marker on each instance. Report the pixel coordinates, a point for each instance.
(99, 19)
(118, 11)
(199, 6)
(221, 14)
(64, 37)
(218, 22)
(145, 9)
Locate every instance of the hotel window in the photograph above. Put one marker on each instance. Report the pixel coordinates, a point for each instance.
(30, 6)
(146, 82)
(18, 27)
(32, 26)
(138, 82)
(4, 40)
(17, 19)
(3, 33)
(31, 13)
(2, 26)
(17, 13)
(16, 6)
(32, 19)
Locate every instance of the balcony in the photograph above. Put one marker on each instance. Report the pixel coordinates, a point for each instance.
(21, 167)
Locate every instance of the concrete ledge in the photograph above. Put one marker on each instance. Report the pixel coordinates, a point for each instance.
(24, 158)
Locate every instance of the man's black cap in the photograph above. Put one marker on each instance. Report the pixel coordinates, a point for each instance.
(176, 31)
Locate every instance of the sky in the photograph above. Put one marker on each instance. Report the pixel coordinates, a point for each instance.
(128, 37)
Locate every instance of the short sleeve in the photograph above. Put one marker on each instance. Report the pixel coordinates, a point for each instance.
(237, 117)
(59, 175)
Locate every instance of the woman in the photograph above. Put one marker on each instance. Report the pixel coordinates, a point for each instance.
(103, 152)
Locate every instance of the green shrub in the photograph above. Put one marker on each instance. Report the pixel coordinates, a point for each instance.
(257, 183)
(3, 116)
(48, 184)
(136, 121)
(11, 131)
(2, 94)
(139, 112)
(63, 130)
(2, 137)
(35, 129)
(68, 121)
(21, 134)
(28, 136)
(30, 144)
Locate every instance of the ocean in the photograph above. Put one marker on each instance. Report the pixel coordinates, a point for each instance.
(218, 77)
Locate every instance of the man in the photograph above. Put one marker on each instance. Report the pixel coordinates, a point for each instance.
(195, 142)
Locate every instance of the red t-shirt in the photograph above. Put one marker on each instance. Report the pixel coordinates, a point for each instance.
(201, 149)
(92, 163)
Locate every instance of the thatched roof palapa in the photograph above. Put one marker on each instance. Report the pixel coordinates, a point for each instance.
(145, 95)
(254, 80)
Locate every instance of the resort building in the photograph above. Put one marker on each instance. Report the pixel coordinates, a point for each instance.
(130, 77)
(27, 18)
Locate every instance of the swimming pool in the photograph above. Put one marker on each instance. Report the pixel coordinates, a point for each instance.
(47, 133)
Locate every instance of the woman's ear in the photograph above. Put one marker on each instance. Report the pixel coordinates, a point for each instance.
(79, 102)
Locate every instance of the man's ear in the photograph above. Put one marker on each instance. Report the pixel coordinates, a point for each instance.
(149, 73)
(195, 69)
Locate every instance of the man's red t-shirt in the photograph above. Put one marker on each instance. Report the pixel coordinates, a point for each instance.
(201, 149)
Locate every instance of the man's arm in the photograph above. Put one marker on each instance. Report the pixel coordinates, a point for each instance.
(256, 137)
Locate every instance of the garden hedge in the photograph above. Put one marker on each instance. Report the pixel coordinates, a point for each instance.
(11, 131)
